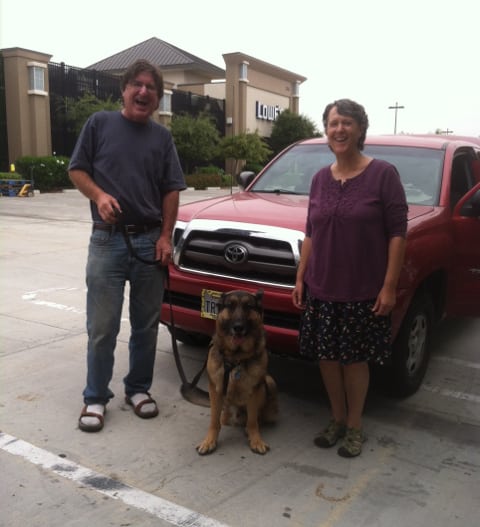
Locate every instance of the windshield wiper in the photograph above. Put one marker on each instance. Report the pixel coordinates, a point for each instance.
(279, 191)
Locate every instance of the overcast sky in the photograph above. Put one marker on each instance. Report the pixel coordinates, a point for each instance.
(422, 54)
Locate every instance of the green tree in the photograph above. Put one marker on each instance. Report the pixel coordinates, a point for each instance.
(246, 148)
(289, 128)
(78, 111)
(196, 139)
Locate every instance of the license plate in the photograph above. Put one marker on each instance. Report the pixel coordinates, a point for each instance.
(210, 300)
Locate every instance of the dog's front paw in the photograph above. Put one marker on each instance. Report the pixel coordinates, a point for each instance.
(259, 446)
(207, 446)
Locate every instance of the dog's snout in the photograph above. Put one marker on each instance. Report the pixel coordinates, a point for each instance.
(238, 328)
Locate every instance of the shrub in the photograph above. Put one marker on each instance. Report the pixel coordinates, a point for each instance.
(196, 139)
(253, 167)
(245, 148)
(49, 173)
(202, 181)
(210, 169)
(10, 175)
(227, 181)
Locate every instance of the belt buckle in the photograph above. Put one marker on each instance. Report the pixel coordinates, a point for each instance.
(131, 229)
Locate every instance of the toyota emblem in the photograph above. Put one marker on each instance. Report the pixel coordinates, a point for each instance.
(235, 253)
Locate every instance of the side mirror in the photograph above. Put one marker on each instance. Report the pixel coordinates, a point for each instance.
(471, 207)
(245, 178)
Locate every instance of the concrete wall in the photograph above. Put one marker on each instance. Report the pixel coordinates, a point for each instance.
(28, 111)
(254, 90)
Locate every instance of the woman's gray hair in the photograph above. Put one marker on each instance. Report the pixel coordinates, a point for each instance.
(349, 108)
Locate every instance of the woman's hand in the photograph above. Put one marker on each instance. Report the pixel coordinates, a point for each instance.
(385, 301)
(298, 296)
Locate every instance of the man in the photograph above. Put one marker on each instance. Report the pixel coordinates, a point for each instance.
(127, 166)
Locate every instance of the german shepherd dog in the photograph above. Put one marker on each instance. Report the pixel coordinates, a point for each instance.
(240, 389)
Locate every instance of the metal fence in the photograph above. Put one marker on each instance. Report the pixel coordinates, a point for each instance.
(68, 83)
(192, 104)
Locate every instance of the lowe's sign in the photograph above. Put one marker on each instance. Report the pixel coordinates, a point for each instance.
(266, 112)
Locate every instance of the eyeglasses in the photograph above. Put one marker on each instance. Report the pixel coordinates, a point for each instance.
(139, 85)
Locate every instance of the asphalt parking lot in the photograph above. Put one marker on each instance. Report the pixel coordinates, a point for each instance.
(420, 465)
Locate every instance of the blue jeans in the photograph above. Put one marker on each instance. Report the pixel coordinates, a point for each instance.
(109, 267)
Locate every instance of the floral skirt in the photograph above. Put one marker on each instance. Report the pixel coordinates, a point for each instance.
(347, 332)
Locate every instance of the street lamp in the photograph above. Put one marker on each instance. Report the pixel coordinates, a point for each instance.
(396, 108)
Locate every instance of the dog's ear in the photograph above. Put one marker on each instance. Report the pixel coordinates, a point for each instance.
(221, 301)
(258, 300)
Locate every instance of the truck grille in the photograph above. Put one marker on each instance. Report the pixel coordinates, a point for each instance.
(239, 251)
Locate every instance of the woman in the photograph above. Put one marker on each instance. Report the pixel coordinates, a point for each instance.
(349, 267)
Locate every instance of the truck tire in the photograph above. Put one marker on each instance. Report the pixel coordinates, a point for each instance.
(411, 348)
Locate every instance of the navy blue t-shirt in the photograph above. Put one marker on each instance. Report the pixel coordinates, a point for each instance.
(134, 162)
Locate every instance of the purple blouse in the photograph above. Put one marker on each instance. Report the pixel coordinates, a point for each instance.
(350, 225)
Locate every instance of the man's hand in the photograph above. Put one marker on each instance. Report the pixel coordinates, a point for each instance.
(108, 208)
(164, 250)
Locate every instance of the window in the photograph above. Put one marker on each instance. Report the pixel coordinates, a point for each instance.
(461, 179)
(36, 78)
(244, 71)
(165, 106)
(296, 89)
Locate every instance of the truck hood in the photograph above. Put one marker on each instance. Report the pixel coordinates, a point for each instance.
(415, 211)
(278, 210)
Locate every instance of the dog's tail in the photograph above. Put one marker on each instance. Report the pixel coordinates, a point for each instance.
(270, 410)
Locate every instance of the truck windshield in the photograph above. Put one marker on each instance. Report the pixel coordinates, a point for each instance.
(420, 170)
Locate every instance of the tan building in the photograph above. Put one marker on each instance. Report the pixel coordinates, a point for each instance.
(27, 103)
(254, 91)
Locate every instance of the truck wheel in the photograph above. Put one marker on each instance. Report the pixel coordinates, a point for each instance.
(191, 339)
(411, 349)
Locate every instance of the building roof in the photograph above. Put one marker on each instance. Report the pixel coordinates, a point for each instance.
(160, 53)
(264, 67)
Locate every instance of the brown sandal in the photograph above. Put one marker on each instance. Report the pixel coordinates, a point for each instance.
(88, 427)
(138, 408)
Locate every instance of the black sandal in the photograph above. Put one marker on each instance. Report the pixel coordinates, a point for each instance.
(90, 427)
(138, 408)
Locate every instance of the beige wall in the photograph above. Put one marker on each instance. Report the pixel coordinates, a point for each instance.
(260, 102)
(180, 78)
(215, 90)
(28, 113)
(248, 81)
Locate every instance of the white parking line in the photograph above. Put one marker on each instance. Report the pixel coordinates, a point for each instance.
(165, 510)
(32, 296)
(458, 362)
(470, 397)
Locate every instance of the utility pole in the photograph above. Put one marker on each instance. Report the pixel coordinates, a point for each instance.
(396, 108)
(447, 131)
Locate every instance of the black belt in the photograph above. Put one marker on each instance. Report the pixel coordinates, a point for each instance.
(129, 229)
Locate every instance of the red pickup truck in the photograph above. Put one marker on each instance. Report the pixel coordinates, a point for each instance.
(251, 240)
